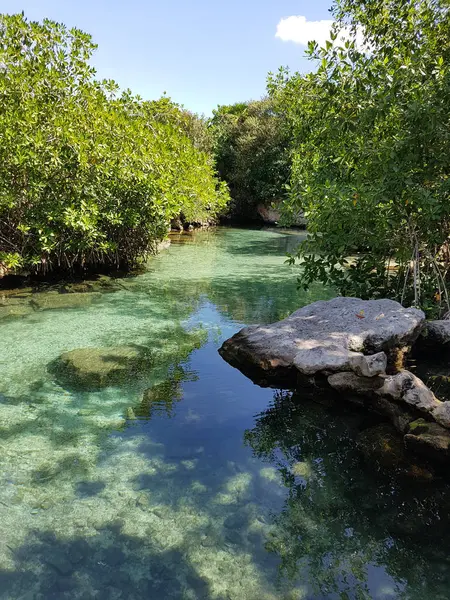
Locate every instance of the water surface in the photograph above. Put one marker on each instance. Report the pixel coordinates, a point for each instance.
(186, 480)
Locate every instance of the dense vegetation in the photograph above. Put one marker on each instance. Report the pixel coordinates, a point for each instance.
(251, 147)
(371, 159)
(89, 175)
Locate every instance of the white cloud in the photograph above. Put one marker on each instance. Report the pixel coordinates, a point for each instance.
(299, 30)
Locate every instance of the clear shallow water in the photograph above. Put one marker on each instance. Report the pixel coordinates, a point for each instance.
(186, 480)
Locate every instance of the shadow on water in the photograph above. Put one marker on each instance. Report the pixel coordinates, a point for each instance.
(167, 486)
(163, 520)
(108, 565)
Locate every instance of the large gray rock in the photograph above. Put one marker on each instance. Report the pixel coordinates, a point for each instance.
(271, 214)
(327, 337)
(441, 414)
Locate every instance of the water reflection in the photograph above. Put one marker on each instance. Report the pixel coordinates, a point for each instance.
(102, 495)
(145, 489)
(360, 532)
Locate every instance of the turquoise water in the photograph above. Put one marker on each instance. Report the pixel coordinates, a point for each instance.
(184, 479)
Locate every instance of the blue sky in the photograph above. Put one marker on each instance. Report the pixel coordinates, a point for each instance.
(201, 52)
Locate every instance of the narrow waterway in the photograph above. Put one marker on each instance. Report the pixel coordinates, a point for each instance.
(185, 480)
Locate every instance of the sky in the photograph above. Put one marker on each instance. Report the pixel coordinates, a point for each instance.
(202, 53)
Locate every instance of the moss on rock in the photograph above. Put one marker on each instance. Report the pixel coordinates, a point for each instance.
(100, 367)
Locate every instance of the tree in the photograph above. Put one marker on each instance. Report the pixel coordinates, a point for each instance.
(371, 162)
(88, 175)
(252, 154)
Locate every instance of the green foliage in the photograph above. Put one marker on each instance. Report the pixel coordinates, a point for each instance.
(252, 153)
(371, 163)
(88, 175)
(189, 124)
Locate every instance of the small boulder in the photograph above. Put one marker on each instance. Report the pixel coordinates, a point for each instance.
(100, 367)
(353, 383)
(402, 387)
(441, 414)
(408, 388)
(428, 439)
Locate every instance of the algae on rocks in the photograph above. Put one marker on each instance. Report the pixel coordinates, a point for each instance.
(100, 367)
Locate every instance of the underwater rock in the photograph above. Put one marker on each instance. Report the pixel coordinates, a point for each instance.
(327, 337)
(16, 310)
(130, 414)
(383, 445)
(60, 563)
(429, 439)
(236, 520)
(301, 469)
(101, 284)
(52, 301)
(233, 537)
(99, 367)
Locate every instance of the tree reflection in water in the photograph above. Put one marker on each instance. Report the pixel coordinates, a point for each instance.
(354, 527)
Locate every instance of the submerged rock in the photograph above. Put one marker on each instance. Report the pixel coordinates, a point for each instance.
(343, 334)
(51, 301)
(302, 469)
(15, 310)
(429, 439)
(383, 445)
(99, 367)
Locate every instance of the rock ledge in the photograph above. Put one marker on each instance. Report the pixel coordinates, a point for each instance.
(357, 349)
